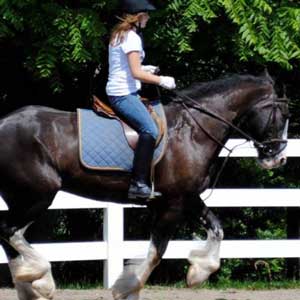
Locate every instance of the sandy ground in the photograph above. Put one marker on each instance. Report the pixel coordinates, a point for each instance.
(157, 293)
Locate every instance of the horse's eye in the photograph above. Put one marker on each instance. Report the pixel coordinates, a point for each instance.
(268, 150)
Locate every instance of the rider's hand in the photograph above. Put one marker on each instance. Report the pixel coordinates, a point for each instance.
(150, 69)
(167, 82)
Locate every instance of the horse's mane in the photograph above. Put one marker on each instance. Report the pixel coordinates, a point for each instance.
(205, 89)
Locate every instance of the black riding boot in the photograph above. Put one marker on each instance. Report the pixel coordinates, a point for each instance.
(139, 187)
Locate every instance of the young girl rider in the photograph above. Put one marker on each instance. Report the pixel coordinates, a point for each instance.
(126, 73)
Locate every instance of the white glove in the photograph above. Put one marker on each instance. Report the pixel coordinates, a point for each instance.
(150, 69)
(167, 82)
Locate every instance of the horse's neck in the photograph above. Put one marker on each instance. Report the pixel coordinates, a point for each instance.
(239, 101)
(190, 145)
(195, 127)
(229, 107)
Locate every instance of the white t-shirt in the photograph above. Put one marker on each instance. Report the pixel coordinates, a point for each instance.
(120, 80)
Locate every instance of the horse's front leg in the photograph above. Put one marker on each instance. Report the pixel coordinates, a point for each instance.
(206, 260)
(31, 273)
(134, 276)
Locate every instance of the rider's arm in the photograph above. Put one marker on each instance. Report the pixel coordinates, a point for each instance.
(135, 66)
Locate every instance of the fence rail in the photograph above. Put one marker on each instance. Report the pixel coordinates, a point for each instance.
(109, 249)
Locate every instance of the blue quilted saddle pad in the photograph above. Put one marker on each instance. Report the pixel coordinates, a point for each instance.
(103, 145)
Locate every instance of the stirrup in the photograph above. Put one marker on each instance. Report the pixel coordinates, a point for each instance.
(155, 194)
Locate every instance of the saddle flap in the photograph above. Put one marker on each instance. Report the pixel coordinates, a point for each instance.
(103, 145)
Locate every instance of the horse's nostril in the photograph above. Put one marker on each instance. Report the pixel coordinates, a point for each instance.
(282, 160)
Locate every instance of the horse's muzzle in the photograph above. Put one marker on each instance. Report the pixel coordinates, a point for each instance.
(273, 162)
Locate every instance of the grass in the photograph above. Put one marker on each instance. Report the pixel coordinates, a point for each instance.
(245, 285)
(221, 285)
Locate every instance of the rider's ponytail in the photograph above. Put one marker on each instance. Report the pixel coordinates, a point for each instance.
(126, 23)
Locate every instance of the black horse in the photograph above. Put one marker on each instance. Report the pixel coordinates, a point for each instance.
(39, 156)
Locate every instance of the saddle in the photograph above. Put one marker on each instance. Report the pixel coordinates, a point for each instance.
(104, 110)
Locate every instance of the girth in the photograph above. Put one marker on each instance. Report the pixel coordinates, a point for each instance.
(103, 110)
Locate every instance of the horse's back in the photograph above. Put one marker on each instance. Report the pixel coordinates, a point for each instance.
(32, 119)
(31, 111)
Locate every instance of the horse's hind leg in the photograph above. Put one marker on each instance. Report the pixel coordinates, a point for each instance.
(206, 260)
(31, 272)
(26, 290)
(135, 275)
(31, 264)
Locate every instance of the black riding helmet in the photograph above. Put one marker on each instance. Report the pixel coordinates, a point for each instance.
(136, 6)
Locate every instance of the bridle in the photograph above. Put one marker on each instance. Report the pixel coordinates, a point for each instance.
(264, 146)
(267, 150)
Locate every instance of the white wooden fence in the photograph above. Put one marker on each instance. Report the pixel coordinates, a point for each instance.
(113, 249)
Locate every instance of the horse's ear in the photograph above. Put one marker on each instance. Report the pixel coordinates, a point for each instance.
(267, 76)
(284, 96)
(284, 92)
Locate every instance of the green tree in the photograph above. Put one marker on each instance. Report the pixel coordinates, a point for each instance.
(56, 36)
(62, 38)
(264, 30)
(58, 43)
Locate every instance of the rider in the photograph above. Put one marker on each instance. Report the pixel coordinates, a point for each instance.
(124, 81)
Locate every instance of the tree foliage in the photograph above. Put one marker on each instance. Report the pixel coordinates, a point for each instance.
(264, 30)
(58, 43)
(59, 37)
(56, 35)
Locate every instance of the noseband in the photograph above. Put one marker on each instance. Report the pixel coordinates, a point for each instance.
(264, 147)
(267, 150)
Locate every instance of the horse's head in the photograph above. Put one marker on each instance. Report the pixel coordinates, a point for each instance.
(267, 123)
(252, 101)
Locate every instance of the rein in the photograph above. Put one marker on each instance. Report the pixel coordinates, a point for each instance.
(261, 145)
(271, 122)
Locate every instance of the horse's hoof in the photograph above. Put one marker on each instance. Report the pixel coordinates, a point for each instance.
(196, 276)
(126, 286)
(45, 287)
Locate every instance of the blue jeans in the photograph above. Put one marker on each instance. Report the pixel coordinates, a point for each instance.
(134, 112)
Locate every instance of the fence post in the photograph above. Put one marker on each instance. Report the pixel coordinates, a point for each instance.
(113, 234)
(293, 232)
